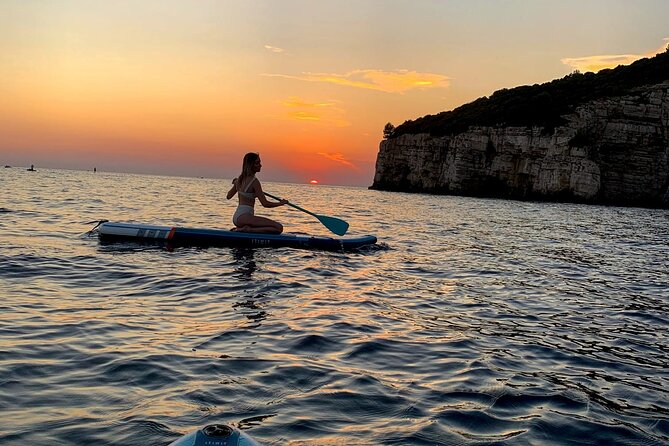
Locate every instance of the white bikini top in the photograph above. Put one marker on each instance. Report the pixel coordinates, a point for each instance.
(245, 193)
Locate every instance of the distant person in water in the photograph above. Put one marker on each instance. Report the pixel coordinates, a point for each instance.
(248, 187)
(32, 168)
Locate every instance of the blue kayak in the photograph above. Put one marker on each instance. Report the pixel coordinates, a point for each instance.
(216, 435)
(179, 236)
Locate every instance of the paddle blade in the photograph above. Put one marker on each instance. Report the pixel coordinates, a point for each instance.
(336, 225)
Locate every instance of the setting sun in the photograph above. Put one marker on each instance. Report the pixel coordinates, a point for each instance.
(313, 181)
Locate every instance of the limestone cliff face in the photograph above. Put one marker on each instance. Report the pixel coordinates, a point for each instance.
(613, 151)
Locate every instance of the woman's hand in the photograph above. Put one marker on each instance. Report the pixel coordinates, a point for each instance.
(283, 201)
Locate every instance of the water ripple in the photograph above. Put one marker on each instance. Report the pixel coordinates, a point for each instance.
(471, 322)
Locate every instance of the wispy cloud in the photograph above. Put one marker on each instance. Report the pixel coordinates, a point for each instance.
(322, 112)
(304, 116)
(294, 101)
(275, 49)
(596, 63)
(397, 81)
(339, 158)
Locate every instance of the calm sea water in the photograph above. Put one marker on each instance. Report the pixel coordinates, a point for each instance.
(473, 322)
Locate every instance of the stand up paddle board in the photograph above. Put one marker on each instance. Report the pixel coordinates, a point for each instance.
(216, 435)
(178, 236)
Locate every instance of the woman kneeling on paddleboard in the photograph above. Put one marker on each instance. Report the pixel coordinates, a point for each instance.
(248, 187)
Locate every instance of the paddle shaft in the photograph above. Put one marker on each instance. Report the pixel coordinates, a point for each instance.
(336, 225)
(293, 205)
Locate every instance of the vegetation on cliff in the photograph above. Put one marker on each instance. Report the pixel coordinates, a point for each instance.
(541, 105)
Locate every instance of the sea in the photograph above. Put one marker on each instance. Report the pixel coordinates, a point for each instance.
(471, 322)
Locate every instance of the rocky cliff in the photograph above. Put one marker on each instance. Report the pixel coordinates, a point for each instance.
(613, 150)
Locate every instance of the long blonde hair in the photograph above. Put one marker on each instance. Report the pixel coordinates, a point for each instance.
(247, 167)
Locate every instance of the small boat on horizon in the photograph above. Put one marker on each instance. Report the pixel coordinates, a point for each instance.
(32, 168)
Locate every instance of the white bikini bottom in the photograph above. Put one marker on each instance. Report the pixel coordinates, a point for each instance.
(241, 210)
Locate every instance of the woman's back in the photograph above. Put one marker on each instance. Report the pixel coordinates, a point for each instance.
(245, 191)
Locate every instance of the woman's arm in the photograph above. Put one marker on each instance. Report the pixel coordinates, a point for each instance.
(263, 199)
(233, 189)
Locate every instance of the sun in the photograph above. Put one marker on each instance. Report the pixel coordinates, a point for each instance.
(313, 182)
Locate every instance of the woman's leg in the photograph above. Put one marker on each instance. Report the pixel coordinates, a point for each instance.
(261, 225)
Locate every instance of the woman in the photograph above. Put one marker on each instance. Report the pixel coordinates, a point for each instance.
(248, 188)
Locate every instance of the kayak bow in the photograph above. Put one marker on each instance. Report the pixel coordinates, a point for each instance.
(216, 435)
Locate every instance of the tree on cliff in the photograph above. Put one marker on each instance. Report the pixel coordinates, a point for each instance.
(388, 130)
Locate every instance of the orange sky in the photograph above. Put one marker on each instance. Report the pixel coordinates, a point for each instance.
(186, 88)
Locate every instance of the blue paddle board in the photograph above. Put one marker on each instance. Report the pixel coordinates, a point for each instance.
(180, 236)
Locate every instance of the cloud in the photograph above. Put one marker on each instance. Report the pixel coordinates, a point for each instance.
(397, 81)
(294, 101)
(339, 158)
(325, 112)
(304, 116)
(596, 63)
(275, 49)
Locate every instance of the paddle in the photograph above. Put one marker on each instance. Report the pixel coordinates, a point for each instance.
(336, 225)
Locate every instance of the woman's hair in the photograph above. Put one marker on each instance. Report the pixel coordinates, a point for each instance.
(247, 167)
